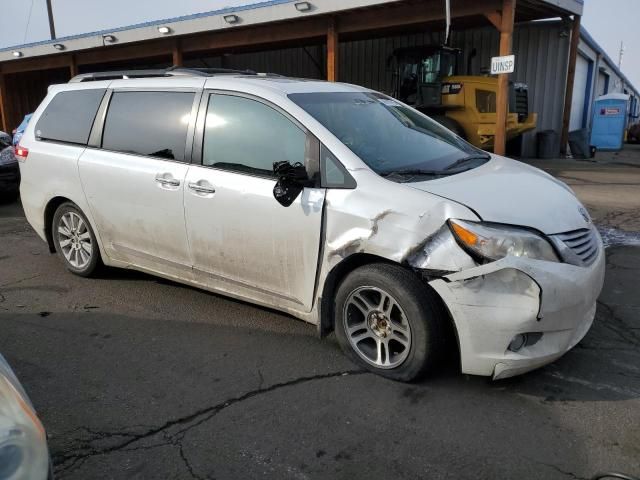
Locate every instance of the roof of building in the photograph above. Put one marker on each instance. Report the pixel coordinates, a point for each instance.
(250, 13)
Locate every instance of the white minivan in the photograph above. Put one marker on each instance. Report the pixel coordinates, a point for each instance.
(334, 203)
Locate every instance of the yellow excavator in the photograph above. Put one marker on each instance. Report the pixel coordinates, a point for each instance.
(425, 77)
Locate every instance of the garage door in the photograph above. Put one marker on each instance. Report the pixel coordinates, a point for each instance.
(579, 92)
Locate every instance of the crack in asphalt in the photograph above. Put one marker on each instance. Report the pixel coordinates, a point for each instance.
(559, 470)
(67, 462)
(14, 282)
(618, 326)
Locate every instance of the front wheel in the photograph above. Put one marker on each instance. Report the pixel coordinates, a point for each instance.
(389, 322)
(75, 241)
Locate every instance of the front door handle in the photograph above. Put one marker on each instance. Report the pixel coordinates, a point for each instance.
(167, 180)
(201, 188)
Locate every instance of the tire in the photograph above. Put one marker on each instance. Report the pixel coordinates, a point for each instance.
(451, 124)
(409, 324)
(81, 255)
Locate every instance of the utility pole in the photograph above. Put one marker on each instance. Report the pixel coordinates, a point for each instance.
(621, 54)
(52, 28)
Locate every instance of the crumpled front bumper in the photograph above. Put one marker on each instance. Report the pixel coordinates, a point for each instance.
(492, 303)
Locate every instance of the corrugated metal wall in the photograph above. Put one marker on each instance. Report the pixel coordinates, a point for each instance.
(541, 51)
(305, 61)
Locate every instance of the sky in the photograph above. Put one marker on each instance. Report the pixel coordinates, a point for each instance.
(23, 21)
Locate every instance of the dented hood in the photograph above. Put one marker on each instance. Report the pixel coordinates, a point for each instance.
(511, 192)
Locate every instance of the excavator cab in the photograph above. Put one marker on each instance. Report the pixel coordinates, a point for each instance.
(419, 73)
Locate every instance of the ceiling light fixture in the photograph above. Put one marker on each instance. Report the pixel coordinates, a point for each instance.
(231, 19)
(164, 30)
(303, 6)
(16, 54)
(58, 46)
(108, 38)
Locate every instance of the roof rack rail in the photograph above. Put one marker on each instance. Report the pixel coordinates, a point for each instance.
(209, 71)
(151, 73)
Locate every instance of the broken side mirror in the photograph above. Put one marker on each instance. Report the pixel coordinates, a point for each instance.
(291, 181)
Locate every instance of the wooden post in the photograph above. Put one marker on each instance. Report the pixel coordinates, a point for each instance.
(73, 66)
(571, 75)
(332, 51)
(177, 54)
(4, 114)
(502, 100)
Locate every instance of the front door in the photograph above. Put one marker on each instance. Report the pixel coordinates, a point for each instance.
(135, 183)
(242, 241)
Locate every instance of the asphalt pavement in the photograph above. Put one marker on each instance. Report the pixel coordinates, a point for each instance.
(136, 377)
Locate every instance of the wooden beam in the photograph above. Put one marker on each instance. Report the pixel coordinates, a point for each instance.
(177, 54)
(159, 48)
(495, 18)
(411, 14)
(36, 63)
(502, 101)
(73, 66)
(315, 27)
(571, 75)
(4, 105)
(332, 51)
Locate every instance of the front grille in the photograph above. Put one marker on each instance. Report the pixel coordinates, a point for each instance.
(582, 246)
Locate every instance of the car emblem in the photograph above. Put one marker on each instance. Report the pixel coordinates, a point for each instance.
(585, 214)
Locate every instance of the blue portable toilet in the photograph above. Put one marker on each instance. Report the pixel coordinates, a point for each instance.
(610, 114)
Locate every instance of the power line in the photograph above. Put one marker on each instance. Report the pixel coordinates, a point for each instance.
(26, 30)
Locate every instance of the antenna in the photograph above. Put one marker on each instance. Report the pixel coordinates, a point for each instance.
(621, 54)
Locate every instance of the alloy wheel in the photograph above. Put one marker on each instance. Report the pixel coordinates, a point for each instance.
(75, 240)
(377, 327)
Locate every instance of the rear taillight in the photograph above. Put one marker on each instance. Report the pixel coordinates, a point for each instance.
(21, 153)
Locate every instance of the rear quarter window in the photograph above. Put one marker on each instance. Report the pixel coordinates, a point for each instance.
(69, 116)
(148, 123)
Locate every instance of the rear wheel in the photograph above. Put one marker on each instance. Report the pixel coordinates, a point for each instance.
(75, 241)
(389, 322)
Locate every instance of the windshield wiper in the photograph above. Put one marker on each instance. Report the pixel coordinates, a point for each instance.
(471, 158)
(415, 172)
(458, 166)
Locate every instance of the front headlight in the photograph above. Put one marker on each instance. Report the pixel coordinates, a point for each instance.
(493, 242)
(23, 443)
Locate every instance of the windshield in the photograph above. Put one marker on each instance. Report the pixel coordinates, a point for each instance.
(388, 136)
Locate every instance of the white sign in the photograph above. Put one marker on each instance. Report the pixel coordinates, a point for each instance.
(503, 64)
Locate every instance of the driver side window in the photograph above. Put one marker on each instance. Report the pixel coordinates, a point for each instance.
(245, 135)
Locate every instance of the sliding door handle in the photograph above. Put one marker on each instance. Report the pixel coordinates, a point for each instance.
(199, 188)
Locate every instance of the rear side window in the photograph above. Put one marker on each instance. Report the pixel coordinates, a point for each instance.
(69, 116)
(148, 123)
